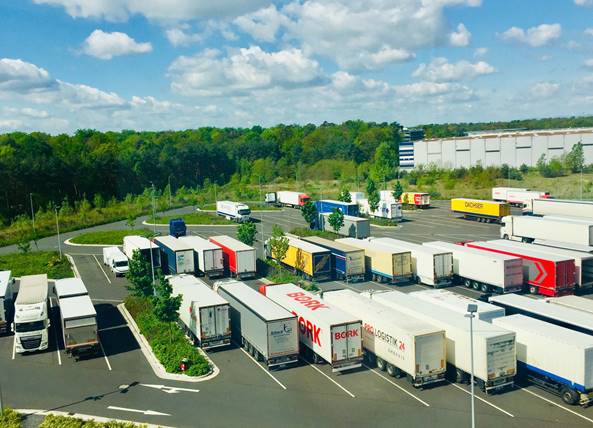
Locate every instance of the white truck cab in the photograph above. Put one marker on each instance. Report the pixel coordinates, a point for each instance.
(6, 297)
(31, 319)
(233, 211)
(116, 260)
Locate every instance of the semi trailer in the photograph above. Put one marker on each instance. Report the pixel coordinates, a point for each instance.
(6, 299)
(479, 210)
(387, 209)
(458, 303)
(307, 259)
(69, 287)
(148, 249)
(560, 207)
(347, 262)
(208, 257)
(239, 258)
(574, 302)
(500, 194)
(329, 205)
(177, 257)
(418, 199)
(287, 198)
(80, 331)
(355, 227)
(530, 228)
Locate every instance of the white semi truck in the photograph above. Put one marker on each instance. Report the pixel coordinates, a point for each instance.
(530, 228)
(149, 250)
(458, 303)
(31, 319)
(6, 299)
(396, 342)
(235, 211)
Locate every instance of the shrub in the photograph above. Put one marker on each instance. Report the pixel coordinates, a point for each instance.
(10, 419)
(55, 421)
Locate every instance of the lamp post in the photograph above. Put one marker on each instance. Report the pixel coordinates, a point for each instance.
(472, 308)
(154, 234)
(58, 230)
(169, 182)
(32, 212)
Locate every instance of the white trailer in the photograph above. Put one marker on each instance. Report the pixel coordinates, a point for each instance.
(69, 287)
(523, 198)
(494, 348)
(204, 315)
(458, 303)
(431, 266)
(79, 325)
(177, 257)
(291, 199)
(208, 257)
(561, 207)
(396, 342)
(116, 260)
(500, 194)
(530, 228)
(240, 259)
(235, 211)
(6, 299)
(574, 302)
(330, 333)
(31, 318)
(149, 250)
(387, 209)
(556, 359)
(266, 330)
(483, 270)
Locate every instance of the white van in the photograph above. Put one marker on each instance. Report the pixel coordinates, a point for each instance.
(116, 260)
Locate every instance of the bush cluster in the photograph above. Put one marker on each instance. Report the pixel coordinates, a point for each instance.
(54, 421)
(167, 340)
(10, 419)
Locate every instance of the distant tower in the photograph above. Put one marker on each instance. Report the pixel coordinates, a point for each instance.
(406, 147)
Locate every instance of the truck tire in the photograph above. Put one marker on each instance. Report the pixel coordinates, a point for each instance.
(393, 371)
(505, 236)
(476, 285)
(532, 289)
(381, 364)
(569, 396)
(460, 376)
(485, 288)
(467, 283)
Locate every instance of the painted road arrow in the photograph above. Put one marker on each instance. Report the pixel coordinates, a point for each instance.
(144, 412)
(169, 389)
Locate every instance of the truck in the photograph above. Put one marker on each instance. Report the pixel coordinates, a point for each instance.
(401, 344)
(6, 299)
(355, 227)
(287, 198)
(494, 348)
(328, 333)
(235, 211)
(480, 270)
(530, 228)
(31, 317)
(177, 227)
(329, 205)
(500, 194)
(265, 329)
(79, 326)
(430, 266)
(390, 209)
(69, 287)
(562, 316)
(149, 250)
(239, 259)
(116, 260)
(347, 262)
(554, 358)
(177, 257)
(574, 302)
(305, 258)
(208, 257)
(458, 303)
(418, 199)
(383, 263)
(544, 273)
(482, 211)
(203, 314)
(560, 207)
(523, 198)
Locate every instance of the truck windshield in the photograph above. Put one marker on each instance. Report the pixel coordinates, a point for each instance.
(24, 327)
(244, 212)
(121, 264)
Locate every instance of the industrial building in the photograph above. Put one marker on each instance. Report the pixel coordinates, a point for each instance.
(513, 148)
(406, 146)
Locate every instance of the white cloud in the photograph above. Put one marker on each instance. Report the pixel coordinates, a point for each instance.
(544, 90)
(104, 45)
(534, 36)
(18, 75)
(424, 88)
(588, 62)
(583, 2)
(87, 96)
(178, 36)
(461, 37)
(480, 52)
(32, 112)
(207, 73)
(182, 10)
(441, 70)
(588, 31)
(263, 24)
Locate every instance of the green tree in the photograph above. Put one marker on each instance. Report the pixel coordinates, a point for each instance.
(140, 276)
(246, 233)
(278, 244)
(131, 221)
(344, 195)
(575, 159)
(309, 213)
(386, 161)
(397, 190)
(165, 306)
(372, 194)
(336, 220)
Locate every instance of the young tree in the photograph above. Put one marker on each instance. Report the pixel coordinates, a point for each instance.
(278, 244)
(386, 160)
(131, 221)
(373, 195)
(336, 220)
(344, 196)
(140, 276)
(246, 233)
(166, 307)
(575, 159)
(397, 190)
(309, 213)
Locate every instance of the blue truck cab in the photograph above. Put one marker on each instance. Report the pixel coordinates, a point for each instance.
(177, 227)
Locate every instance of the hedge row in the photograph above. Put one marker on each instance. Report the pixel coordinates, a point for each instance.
(12, 419)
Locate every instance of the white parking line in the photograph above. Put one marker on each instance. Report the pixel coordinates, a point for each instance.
(264, 370)
(484, 401)
(56, 337)
(396, 385)
(339, 386)
(105, 356)
(14, 347)
(557, 405)
(102, 270)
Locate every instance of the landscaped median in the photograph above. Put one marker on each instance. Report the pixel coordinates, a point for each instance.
(10, 418)
(196, 218)
(108, 237)
(36, 262)
(168, 342)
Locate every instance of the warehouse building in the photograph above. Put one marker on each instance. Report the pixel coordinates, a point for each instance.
(514, 148)
(406, 146)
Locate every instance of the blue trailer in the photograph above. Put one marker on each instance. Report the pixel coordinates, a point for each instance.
(176, 256)
(347, 262)
(328, 206)
(177, 227)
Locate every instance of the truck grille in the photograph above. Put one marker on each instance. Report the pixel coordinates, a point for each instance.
(31, 342)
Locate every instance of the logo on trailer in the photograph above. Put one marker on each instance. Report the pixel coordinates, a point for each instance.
(307, 301)
(308, 329)
(385, 337)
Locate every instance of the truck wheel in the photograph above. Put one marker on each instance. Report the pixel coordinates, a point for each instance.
(460, 376)
(476, 285)
(569, 396)
(532, 289)
(484, 288)
(392, 370)
(505, 236)
(381, 364)
(481, 384)
(467, 283)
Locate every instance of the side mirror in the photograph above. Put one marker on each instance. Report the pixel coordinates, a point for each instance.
(48, 323)
(12, 327)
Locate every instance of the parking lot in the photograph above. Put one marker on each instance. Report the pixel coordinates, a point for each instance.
(119, 382)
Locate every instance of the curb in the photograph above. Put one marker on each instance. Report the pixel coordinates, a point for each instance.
(74, 268)
(31, 412)
(155, 364)
(384, 227)
(191, 225)
(72, 244)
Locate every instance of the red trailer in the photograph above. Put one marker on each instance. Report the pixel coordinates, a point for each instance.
(545, 273)
(239, 259)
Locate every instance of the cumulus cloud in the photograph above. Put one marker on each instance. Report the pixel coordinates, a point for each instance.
(583, 2)
(544, 89)
(441, 70)
(588, 62)
(480, 52)
(461, 37)
(18, 75)
(104, 45)
(588, 31)
(179, 36)
(209, 73)
(535, 36)
(263, 24)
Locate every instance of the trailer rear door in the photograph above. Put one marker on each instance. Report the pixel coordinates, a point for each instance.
(222, 320)
(207, 322)
(346, 342)
(430, 354)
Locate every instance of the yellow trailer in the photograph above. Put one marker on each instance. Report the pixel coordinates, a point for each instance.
(383, 263)
(484, 211)
(311, 260)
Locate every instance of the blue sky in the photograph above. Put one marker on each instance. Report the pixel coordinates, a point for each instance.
(176, 64)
